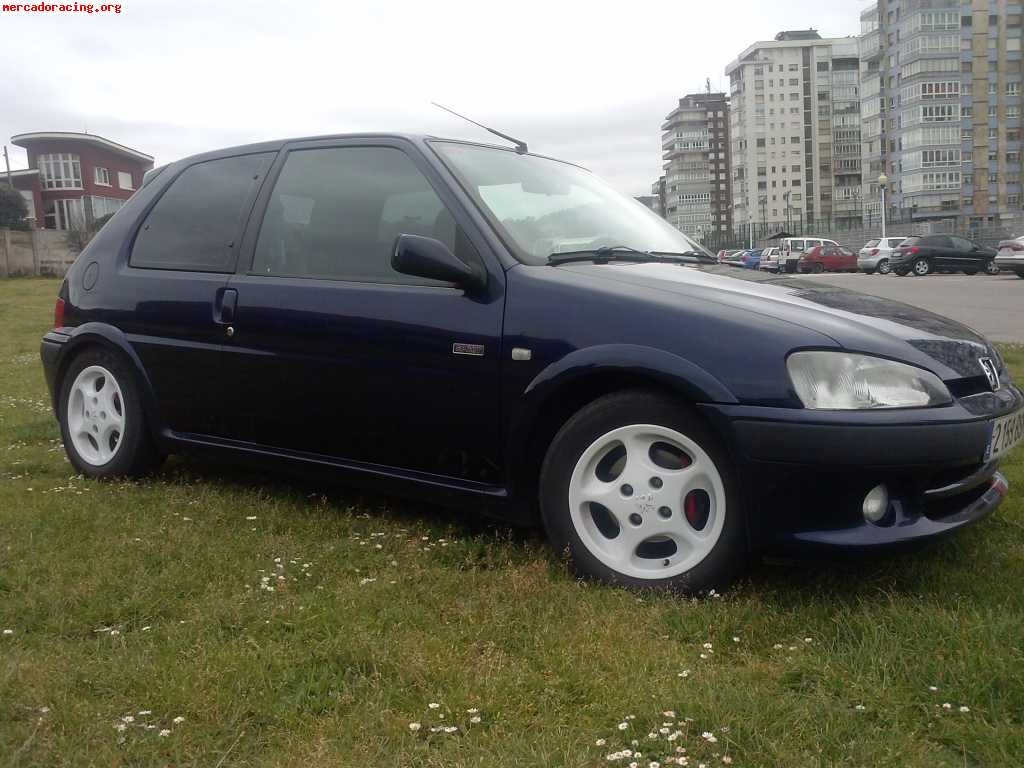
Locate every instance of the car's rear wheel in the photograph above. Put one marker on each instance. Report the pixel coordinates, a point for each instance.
(991, 268)
(921, 267)
(637, 490)
(101, 418)
(883, 267)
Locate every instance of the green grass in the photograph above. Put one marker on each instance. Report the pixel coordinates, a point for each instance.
(146, 596)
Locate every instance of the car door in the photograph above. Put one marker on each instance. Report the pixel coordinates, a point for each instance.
(939, 248)
(335, 353)
(182, 255)
(966, 255)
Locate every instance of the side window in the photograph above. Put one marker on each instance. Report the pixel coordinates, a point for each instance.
(937, 241)
(961, 244)
(335, 213)
(796, 245)
(194, 224)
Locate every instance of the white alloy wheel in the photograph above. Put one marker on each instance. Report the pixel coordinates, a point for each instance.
(647, 501)
(96, 415)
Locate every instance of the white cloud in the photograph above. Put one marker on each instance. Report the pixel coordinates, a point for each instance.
(583, 81)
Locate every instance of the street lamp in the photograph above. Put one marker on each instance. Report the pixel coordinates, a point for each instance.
(789, 221)
(882, 181)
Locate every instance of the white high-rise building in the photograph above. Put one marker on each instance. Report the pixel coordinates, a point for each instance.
(795, 131)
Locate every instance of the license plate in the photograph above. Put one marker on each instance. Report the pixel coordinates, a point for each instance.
(1006, 433)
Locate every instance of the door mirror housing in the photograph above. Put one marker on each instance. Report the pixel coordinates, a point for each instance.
(426, 257)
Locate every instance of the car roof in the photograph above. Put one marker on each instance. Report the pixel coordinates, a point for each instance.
(412, 138)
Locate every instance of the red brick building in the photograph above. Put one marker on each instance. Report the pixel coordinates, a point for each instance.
(74, 178)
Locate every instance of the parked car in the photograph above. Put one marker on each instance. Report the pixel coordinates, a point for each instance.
(828, 258)
(794, 247)
(1010, 256)
(930, 253)
(770, 259)
(874, 256)
(752, 259)
(403, 313)
(736, 258)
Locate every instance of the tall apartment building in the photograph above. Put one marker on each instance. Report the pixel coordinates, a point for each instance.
(795, 130)
(941, 101)
(696, 192)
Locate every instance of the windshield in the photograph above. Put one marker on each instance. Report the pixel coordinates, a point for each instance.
(542, 207)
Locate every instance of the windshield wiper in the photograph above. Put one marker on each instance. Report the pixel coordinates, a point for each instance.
(608, 253)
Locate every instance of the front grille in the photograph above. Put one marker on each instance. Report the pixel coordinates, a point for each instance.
(967, 386)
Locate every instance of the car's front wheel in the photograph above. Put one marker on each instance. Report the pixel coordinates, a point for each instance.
(991, 268)
(636, 489)
(101, 417)
(921, 267)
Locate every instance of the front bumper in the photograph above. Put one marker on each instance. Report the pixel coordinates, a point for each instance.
(805, 473)
(1010, 263)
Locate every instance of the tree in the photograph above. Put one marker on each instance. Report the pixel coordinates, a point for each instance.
(12, 208)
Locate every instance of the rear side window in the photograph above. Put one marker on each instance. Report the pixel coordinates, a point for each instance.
(871, 243)
(894, 242)
(335, 213)
(911, 241)
(195, 223)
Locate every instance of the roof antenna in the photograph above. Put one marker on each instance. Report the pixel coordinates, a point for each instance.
(520, 145)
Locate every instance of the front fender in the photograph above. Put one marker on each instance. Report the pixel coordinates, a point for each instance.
(102, 334)
(630, 360)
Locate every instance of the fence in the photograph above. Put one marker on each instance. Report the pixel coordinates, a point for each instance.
(853, 235)
(34, 252)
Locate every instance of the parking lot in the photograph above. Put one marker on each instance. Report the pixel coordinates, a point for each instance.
(992, 305)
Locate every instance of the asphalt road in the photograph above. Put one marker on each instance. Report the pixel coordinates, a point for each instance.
(992, 305)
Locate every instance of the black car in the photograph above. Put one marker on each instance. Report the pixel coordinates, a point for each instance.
(485, 327)
(922, 255)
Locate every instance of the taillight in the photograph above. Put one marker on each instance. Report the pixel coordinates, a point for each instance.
(914, 249)
(58, 314)
(874, 251)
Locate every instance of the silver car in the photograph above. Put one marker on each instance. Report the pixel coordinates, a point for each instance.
(874, 256)
(1010, 257)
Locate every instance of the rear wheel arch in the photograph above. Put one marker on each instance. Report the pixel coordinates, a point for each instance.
(94, 336)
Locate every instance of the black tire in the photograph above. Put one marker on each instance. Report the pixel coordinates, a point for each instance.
(818, 268)
(883, 267)
(970, 272)
(901, 272)
(727, 556)
(1020, 275)
(136, 454)
(921, 267)
(991, 268)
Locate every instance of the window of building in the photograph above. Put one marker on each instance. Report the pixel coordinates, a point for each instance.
(195, 223)
(1012, 89)
(60, 171)
(1013, 199)
(103, 206)
(794, 67)
(1013, 111)
(335, 214)
(65, 213)
(822, 66)
(760, 142)
(101, 176)
(124, 180)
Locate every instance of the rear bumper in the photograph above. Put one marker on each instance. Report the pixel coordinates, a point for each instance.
(50, 350)
(805, 474)
(1011, 263)
(870, 262)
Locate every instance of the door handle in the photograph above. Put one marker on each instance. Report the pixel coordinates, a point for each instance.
(224, 306)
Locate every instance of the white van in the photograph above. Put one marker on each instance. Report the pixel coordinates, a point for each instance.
(794, 247)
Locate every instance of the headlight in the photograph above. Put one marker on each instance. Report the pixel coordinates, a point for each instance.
(842, 381)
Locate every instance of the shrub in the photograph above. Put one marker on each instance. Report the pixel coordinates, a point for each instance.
(12, 208)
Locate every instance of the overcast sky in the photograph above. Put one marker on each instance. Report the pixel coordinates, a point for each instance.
(585, 81)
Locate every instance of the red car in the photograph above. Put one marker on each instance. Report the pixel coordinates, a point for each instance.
(828, 258)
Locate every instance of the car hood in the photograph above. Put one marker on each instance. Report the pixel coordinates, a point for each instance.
(856, 321)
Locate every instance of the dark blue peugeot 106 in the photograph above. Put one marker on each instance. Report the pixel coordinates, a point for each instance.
(485, 327)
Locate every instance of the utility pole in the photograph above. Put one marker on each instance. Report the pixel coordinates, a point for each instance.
(7, 162)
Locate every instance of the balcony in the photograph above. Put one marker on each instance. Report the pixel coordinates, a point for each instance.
(870, 46)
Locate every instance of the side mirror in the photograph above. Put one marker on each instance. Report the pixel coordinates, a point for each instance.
(426, 257)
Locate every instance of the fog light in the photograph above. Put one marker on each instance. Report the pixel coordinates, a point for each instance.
(876, 504)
